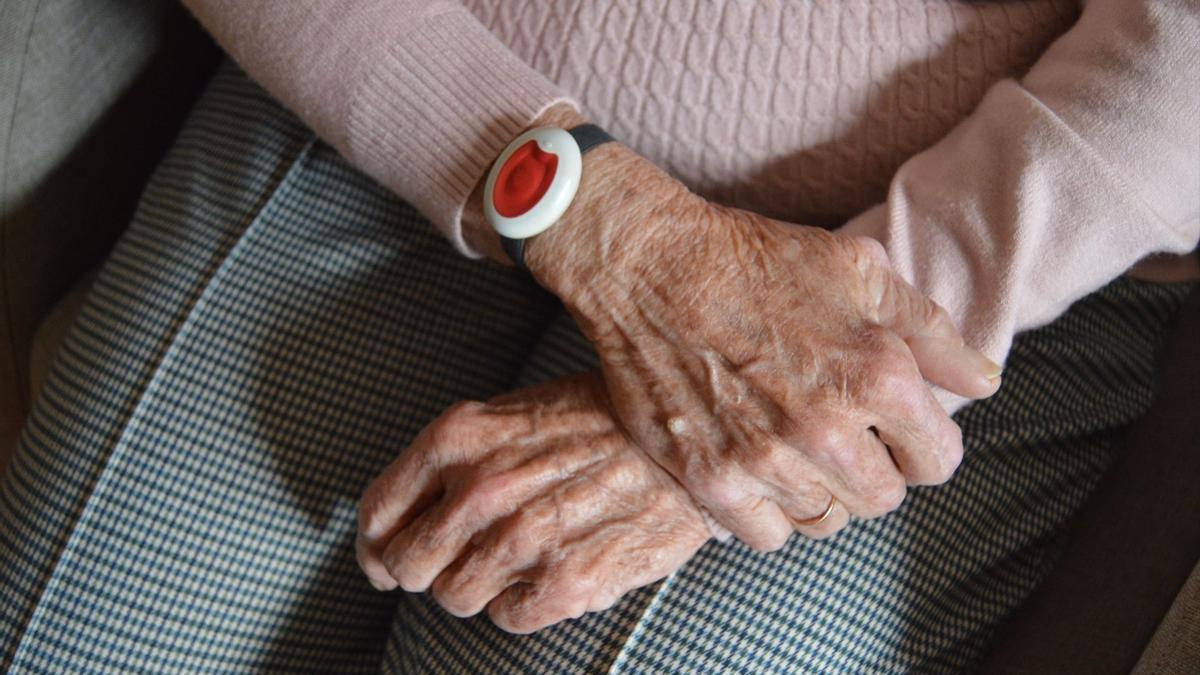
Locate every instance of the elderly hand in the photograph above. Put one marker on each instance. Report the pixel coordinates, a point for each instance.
(533, 505)
(768, 366)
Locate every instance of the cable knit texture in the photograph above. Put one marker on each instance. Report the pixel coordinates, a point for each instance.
(1012, 155)
(797, 110)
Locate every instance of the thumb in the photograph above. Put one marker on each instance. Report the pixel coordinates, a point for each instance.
(938, 348)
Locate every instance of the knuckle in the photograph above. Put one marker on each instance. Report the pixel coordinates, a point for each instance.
(523, 538)
(603, 599)
(407, 576)
(454, 598)
(431, 537)
(531, 620)
(870, 249)
(577, 601)
(504, 618)
(829, 443)
(517, 615)
(738, 504)
(370, 521)
(927, 312)
(463, 411)
(522, 543)
(374, 515)
(410, 567)
(448, 427)
(890, 371)
(395, 561)
(529, 522)
(942, 443)
(483, 494)
(511, 542)
(935, 314)
(719, 491)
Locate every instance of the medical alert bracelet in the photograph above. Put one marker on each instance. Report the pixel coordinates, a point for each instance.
(534, 181)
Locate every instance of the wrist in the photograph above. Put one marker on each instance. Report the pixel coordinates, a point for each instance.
(478, 233)
(626, 216)
(623, 220)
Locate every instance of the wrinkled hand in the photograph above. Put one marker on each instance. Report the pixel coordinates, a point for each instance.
(534, 506)
(767, 366)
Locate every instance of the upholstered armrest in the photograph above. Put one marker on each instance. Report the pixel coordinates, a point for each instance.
(1176, 644)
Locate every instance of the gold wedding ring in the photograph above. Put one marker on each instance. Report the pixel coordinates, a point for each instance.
(821, 518)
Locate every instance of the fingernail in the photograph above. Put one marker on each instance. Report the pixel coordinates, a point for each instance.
(985, 366)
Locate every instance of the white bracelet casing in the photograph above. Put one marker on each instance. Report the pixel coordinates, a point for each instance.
(527, 198)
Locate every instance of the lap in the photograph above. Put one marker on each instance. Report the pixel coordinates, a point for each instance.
(921, 589)
(270, 331)
(274, 327)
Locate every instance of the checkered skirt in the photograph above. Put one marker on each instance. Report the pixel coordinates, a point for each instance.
(273, 328)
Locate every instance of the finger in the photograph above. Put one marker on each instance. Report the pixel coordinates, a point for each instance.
(526, 607)
(925, 444)
(411, 486)
(850, 462)
(600, 563)
(833, 523)
(438, 537)
(802, 499)
(396, 495)
(936, 344)
(874, 487)
(370, 560)
(956, 368)
(404, 490)
(500, 558)
(580, 584)
(756, 520)
(796, 487)
(419, 552)
(736, 495)
(615, 546)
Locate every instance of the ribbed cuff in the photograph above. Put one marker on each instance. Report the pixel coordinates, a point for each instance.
(441, 104)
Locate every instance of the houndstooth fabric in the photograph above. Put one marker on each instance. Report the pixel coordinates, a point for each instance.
(273, 328)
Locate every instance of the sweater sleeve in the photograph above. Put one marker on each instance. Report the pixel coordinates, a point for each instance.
(1059, 182)
(416, 93)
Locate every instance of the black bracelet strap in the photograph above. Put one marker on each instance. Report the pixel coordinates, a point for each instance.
(587, 136)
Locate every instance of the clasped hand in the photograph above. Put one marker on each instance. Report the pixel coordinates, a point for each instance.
(751, 369)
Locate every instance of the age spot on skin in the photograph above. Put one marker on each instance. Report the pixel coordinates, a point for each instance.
(793, 252)
(677, 425)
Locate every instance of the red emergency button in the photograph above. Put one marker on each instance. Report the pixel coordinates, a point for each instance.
(532, 182)
(523, 180)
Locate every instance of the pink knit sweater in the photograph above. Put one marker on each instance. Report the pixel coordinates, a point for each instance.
(1012, 155)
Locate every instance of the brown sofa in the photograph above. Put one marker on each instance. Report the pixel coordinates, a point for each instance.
(92, 92)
